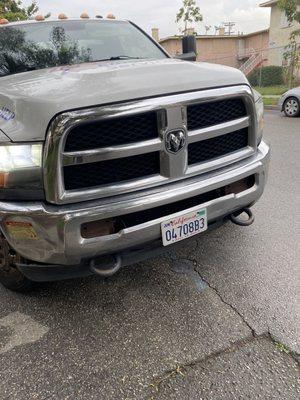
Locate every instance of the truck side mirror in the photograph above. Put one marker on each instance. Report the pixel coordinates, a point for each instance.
(189, 49)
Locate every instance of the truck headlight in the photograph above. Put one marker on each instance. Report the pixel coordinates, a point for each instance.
(259, 105)
(21, 171)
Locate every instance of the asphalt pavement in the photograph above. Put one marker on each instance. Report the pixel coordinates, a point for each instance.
(217, 319)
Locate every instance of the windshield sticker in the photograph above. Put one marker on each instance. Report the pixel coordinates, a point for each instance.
(6, 114)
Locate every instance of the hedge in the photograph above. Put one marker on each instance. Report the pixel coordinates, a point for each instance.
(267, 76)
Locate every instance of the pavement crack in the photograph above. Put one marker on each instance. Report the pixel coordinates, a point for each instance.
(226, 302)
(182, 369)
(280, 346)
(283, 348)
(215, 290)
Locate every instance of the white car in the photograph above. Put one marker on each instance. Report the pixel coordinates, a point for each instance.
(290, 102)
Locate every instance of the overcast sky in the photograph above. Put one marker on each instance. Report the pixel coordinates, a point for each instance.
(161, 14)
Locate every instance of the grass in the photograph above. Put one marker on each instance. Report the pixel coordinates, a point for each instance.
(169, 375)
(275, 91)
(281, 347)
(270, 101)
(271, 90)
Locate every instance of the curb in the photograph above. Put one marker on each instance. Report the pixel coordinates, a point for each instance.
(277, 108)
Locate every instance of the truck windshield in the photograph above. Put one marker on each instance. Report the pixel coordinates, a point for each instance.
(55, 43)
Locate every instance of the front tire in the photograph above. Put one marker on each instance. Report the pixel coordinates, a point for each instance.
(291, 107)
(10, 276)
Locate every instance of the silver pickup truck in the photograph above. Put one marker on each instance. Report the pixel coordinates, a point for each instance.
(111, 150)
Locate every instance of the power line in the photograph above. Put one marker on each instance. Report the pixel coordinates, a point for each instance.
(217, 56)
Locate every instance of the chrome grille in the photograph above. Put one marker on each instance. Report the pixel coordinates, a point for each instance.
(121, 148)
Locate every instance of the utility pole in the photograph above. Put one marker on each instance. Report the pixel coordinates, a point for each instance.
(229, 25)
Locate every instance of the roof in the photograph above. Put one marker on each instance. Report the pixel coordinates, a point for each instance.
(269, 3)
(33, 21)
(179, 37)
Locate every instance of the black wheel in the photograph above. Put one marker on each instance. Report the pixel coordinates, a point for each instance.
(291, 107)
(10, 276)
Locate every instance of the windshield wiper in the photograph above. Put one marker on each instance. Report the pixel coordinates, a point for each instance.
(32, 68)
(115, 58)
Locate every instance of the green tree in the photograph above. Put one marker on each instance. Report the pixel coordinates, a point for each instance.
(188, 13)
(292, 11)
(292, 54)
(13, 10)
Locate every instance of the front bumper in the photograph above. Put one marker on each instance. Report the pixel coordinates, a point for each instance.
(58, 228)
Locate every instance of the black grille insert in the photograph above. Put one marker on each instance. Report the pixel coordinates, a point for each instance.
(213, 113)
(112, 132)
(111, 171)
(153, 213)
(219, 146)
(95, 228)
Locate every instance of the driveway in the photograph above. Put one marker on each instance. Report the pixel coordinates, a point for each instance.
(217, 319)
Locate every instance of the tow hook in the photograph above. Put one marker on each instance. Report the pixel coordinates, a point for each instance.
(108, 268)
(235, 217)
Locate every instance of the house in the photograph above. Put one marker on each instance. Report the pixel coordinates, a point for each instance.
(244, 51)
(280, 32)
(231, 50)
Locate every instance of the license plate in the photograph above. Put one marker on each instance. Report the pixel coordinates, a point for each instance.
(184, 226)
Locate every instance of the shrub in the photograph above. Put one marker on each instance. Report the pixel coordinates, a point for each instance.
(269, 76)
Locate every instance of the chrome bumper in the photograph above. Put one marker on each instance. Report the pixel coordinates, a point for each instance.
(58, 228)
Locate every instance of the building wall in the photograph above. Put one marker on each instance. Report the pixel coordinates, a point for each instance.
(221, 49)
(279, 35)
(172, 45)
(260, 41)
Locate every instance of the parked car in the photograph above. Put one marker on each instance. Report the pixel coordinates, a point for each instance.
(290, 102)
(111, 150)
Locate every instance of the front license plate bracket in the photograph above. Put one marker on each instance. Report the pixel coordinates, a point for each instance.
(184, 226)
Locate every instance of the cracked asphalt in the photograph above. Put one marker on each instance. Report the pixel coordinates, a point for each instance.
(216, 319)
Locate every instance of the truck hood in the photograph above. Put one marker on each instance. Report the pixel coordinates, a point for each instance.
(28, 101)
